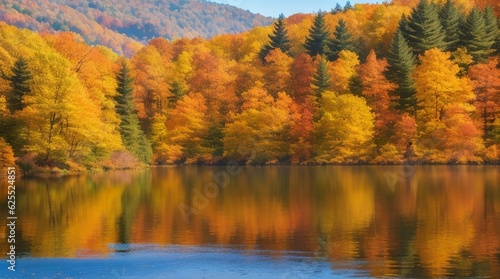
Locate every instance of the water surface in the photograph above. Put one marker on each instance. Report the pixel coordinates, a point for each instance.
(265, 222)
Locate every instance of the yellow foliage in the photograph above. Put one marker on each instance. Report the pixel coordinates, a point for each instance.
(6, 156)
(343, 70)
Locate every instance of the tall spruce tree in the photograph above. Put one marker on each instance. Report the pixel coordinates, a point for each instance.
(424, 30)
(133, 137)
(450, 20)
(318, 37)
(321, 81)
(474, 36)
(279, 39)
(342, 41)
(401, 62)
(19, 84)
(492, 26)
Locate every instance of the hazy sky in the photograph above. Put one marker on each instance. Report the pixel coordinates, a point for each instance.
(275, 7)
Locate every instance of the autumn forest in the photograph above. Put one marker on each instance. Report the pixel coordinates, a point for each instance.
(390, 83)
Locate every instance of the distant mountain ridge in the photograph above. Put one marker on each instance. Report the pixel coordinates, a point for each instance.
(120, 24)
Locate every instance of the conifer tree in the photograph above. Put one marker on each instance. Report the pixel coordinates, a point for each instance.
(450, 20)
(348, 6)
(279, 39)
(492, 27)
(318, 37)
(342, 41)
(321, 79)
(19, 83)
(401, 62)
(337, 9)
(424, 29)
(133, 137)
(474, 36)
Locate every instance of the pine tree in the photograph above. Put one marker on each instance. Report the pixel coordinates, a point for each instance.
(450, 20)
(341, 41)
(19, 83)
(474, 36)
(279, 39)
(133, 137)
(424, 29)
(318, 37)
(401, 62)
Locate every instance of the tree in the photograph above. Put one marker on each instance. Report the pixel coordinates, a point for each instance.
(348, 6)
(450, 20)
(337, 9)
(344, 133)
(424, 30)
(342, 41)
(133, 137)
(401, 62)
(20, 83)
(6, 155)
(316, 42)
(279, 39)
(492, 26)
(474, 36)
(486, 80)
(344, 71)
(187, 130)
(443, 98)
(277, 70)
(376, 90)
(321, 80)
(259, 134)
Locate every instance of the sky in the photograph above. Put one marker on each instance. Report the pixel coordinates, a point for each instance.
(275, 7)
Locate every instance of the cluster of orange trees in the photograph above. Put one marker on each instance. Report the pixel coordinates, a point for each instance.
(381, 83)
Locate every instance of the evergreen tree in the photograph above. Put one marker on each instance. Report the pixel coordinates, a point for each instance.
(401, 62)
(341, 41)
(318, 37)
(337, 9)
(424, 30)
(348, 6)
(474, 36)
(492, 27)
(321, 79)
(19, 83)
(450, 20)
(133, 137)
(279, 38)
(403, 25)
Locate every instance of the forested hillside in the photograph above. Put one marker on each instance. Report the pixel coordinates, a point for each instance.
(120, 25)
(384, 83)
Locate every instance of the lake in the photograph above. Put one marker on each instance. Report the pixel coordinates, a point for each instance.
(259, 222)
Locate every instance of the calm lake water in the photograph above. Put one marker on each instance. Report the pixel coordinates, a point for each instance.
(265, 222)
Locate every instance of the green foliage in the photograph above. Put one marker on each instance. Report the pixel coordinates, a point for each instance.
(342, 41)
(450, 20)
(316, 42)
(424, 30)
(279, 39)
(133, 137)
(475, 37)
(401, 62)
(19, 83)
(321, 81)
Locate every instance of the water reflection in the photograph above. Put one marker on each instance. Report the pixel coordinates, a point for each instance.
(437, 221)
